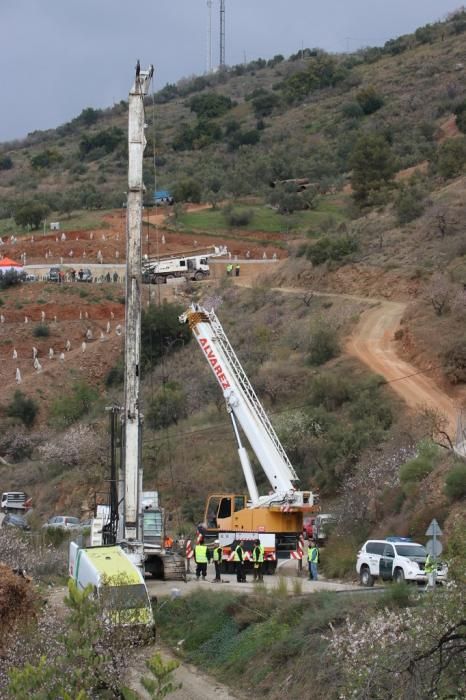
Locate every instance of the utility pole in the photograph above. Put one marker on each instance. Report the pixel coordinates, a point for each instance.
(222, 34)
(130, 478)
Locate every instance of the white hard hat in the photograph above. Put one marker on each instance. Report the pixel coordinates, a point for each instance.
(216, 542)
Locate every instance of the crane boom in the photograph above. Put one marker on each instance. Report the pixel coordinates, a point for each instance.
(131, 479)
(245, 408)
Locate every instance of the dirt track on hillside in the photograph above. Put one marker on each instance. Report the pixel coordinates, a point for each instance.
(372, 342)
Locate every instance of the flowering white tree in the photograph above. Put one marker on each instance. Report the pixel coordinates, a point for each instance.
(411, 654)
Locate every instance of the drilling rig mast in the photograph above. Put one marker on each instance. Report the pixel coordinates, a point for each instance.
(130, 481)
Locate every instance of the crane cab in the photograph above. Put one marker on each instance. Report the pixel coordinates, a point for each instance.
(220, 511)
(232, 512)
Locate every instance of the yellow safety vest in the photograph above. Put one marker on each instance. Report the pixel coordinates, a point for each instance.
(237, 558)
(258, 555)
(313, 555)
(218, 552)
(200, 554)
(429, 566)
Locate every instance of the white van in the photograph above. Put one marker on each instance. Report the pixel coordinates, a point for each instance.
(117, 584)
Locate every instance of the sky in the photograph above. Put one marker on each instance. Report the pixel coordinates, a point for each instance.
(58, 57)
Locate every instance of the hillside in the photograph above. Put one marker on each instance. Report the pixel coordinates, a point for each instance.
(337, 183)
(377, 137)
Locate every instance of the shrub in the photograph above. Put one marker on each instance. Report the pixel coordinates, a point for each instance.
(409, 204)
(115, 375)
(167, 407)
(103, 142)
(331, 249)
(337, 560)
(23, 408)
(161, 333)
(239, 217)
(396, 595)
(210, 105)
(455, 482)
(451, 157)
(330, 391)
(41, 331)
(373, 166)
(265, 104)
(323, 345)
(352, 110)
(75, 405)
(455, 361)
(416, 469)
(369, 100)
(6, 163)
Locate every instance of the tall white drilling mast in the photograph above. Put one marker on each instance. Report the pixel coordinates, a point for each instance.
(130, 482)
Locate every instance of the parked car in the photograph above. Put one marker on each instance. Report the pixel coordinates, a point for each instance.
(54, 274)
(63, 522)
(394, 559)
(308, 527)
(323, 524)
(30, 277)
(12, 520)
(84, 275)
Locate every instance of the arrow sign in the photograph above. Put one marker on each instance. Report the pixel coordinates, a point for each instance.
(434, 529)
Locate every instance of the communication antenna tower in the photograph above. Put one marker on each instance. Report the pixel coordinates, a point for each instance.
(209, 36)
(222, 34)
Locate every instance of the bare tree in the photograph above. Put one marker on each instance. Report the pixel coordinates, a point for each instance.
(440, 292)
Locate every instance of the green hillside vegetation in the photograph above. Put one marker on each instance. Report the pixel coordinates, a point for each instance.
(239, 130)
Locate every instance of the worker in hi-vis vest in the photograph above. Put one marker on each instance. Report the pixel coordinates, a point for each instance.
(201, 557)
(258, 559)
(217, 557)
(430, 568)
(313, 557)
(239, 563)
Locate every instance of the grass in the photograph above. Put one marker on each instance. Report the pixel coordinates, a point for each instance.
(260, 639)
(266, 219)
(81, 220)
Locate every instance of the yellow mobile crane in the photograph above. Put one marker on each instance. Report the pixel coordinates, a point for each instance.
(276, 519)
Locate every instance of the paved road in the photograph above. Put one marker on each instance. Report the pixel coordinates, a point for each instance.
(295, 586)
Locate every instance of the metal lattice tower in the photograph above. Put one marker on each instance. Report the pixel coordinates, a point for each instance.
(222, 34)
(209, 36)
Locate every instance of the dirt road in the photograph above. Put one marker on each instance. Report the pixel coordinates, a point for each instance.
(372, 342)
(195, 685)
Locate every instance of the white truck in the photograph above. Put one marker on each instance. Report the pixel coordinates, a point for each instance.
(117, 584)
(193, 265)
(15, 502)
